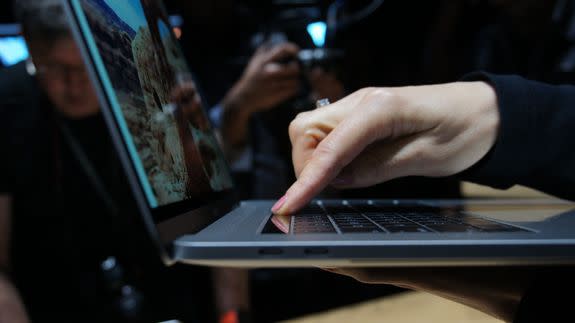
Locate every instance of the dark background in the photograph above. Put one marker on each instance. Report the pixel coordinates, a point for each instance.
(403, 42)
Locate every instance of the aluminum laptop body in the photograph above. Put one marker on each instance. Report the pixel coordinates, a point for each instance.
(183, 188)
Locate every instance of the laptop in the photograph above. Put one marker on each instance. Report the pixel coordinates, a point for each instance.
(184, 191)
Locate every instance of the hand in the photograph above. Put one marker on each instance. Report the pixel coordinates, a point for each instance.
(186, 98)
(378, 134)
(325, 85)
(266, 81)
(496, 291)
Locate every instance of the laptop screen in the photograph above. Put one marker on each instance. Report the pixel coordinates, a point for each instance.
(154, 100)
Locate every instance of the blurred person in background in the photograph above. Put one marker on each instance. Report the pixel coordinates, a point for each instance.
(72, 245)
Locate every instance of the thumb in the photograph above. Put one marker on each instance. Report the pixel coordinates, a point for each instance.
(281, 52)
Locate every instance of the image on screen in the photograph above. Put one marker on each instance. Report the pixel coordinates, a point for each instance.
(165, 126)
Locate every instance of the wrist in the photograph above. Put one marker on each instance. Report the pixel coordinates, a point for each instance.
(235, 108)
(486, 120)
(234, 120)
(469, 123)
(237, 100)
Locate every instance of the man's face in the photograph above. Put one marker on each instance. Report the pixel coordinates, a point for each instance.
(62, 74)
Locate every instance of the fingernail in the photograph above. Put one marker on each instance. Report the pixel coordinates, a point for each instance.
(280, 224)
(342, 180)
(279, 204)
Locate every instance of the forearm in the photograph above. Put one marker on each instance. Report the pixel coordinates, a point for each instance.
(535, 140)
(5, 225)
(231, 289)
(499, 295)
(11, 306)
(235, 120)
(497, 291)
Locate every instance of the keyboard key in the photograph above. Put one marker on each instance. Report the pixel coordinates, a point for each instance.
(316, 230)
(362, 218)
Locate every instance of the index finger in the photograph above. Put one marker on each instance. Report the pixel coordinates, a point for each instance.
(278, 71)
(330, 156)
(281, 52)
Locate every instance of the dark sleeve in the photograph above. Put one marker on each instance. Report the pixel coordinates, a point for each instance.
(4, 153)
(18, 94)
(548, 298)
(535, 146)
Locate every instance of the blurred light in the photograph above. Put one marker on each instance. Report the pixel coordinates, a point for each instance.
(176, 21)
(317, 31)
(13, 50)
(109, 263)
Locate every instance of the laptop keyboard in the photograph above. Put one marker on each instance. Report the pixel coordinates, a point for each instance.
(321, 217)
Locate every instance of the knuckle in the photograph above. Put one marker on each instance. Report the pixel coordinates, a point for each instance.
(372, 101)
(386, 98)
(268, 72)
(364, 91)
(384, 108)
(298, 125)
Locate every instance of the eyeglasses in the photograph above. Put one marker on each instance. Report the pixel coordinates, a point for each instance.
(60, 71)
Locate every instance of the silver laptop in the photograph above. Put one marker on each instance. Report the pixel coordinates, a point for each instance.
(184, 190)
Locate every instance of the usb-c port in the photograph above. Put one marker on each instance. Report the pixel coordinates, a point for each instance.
(271, 251)
(316, 251)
